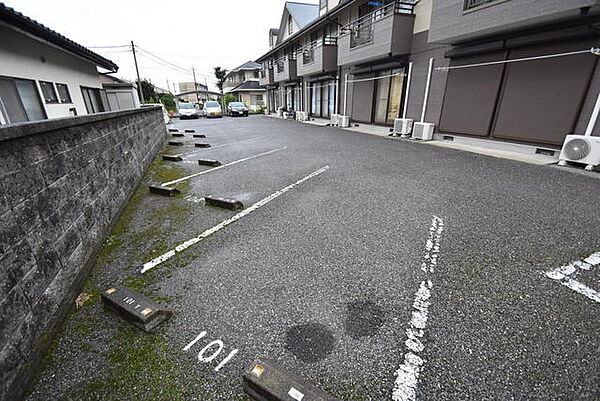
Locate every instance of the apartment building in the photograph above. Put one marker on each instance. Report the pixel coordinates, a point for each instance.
(519, 71)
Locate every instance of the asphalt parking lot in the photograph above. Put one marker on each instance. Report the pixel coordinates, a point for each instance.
(377, 268)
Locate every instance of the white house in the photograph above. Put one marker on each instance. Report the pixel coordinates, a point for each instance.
(44, 74)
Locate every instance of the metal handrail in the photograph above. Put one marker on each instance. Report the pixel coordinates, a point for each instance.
(365, 23)
(328, 40)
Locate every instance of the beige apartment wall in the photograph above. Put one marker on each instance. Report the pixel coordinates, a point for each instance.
(423, 16)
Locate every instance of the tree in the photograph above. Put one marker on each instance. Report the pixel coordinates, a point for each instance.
(149, 92)
(220, 75)
(168, 100)
(228, 98)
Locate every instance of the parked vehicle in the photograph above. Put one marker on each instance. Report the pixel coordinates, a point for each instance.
(188, 110)
(237, 109)
(212, 109)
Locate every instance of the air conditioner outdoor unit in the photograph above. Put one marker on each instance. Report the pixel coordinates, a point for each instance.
(403, 126)
(581, 149)
(335, 120)
(344, 121)
(422, 131)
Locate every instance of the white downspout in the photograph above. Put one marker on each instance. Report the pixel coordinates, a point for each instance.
(427, 90)
(345, 93)
(410, 64)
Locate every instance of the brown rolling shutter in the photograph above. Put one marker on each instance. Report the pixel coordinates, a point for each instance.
(362, 98)
(471, 95)
(541, 99)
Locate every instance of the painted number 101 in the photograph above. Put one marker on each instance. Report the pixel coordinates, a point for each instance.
(210, 351)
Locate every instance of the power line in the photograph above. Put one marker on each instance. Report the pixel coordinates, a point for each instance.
(168, 62)
(167, 66)
(162, 59)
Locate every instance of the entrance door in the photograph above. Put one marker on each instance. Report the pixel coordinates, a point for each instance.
(381, 100)
(388, 97)
(324, 88)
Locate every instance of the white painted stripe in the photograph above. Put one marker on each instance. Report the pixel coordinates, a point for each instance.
(221, 145)
(194, 341)
(582, 289)
(169, 183)
(224, 361)
(407, 376)
(565, 275)
(183, 246)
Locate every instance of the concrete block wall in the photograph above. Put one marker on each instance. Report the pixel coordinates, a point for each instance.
(62, 185)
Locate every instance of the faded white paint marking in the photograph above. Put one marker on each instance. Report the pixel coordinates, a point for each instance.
(212, 356)
(565, 275)
(169, 183)
(227, 358)
(193, 199)
(221, 145)
(181, 247)
(194, 341)
(407, 376)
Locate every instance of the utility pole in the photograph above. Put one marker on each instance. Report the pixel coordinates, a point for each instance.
(140, 90)
(195, 86)
(206, 85)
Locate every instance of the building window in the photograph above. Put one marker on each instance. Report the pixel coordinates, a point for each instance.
(49, 92)
(20, 101)
(63, 93)
(323, 4)
(256, 74)
(290, 25)
(95, 100)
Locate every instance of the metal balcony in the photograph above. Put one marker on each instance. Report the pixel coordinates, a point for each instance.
(285, 69)
(266, 77)
(386, 31)
(318, 57)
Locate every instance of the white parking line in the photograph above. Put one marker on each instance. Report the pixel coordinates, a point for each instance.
(184, 245)
(168, 183)
(221, 145)
(407, 376)
(566, 275)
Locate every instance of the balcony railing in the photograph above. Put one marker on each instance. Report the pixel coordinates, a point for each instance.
(361, 30)
(308, 51)
(470, 4)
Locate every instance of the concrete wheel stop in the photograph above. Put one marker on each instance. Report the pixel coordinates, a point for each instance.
(199, 136)
(223, 202)
(175, 143)
(177, 134)
(267, 381)
(190, 130)
(208, 162)
(202, 145)
(166, 191)
(173, 130)
(173, 158)
(135, 308)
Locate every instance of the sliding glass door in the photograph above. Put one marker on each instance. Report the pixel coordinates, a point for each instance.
(388, 96)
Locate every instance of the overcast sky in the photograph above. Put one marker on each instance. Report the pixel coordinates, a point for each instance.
(199, 33)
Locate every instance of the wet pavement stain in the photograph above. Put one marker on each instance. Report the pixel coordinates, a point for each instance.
(364, 318)
(310, 342)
